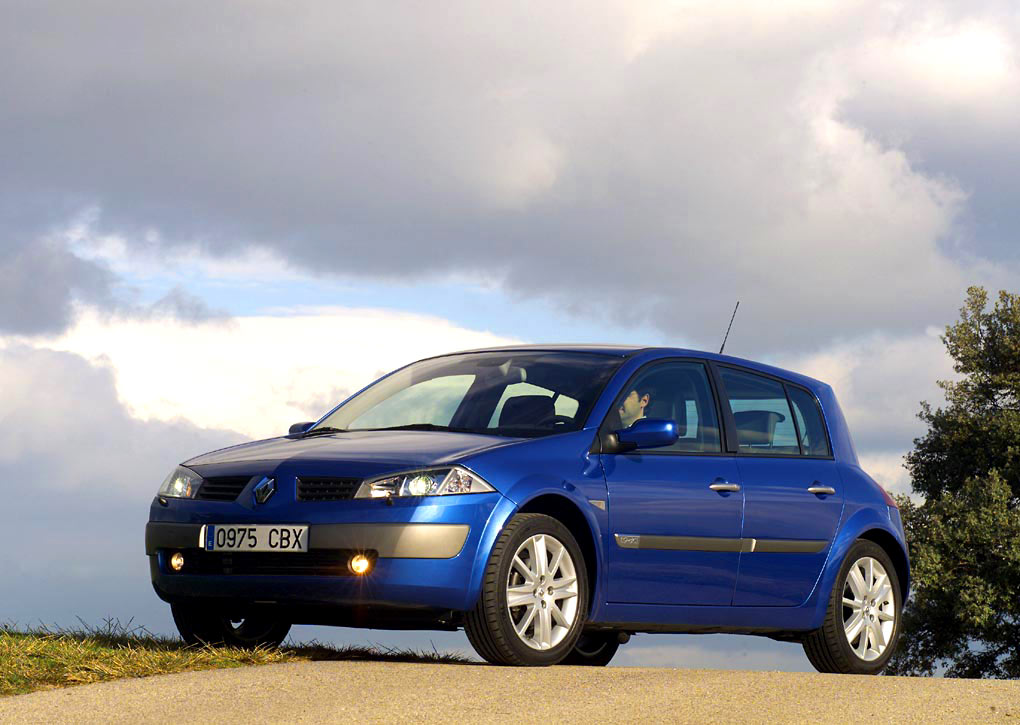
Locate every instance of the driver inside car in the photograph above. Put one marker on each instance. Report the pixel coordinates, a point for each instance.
(633, 406)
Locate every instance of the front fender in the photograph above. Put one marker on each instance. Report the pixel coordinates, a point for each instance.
(858, 522)
(558, 465)
(499, 517)
(595, 518)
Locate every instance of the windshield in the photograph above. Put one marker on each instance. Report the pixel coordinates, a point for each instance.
(520, 394)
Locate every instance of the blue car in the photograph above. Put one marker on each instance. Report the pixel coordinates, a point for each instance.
(551, 501)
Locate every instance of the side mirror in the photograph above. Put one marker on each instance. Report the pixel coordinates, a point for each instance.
(646, 433)
(298, 428)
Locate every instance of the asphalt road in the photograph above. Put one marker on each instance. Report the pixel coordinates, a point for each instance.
(312, 692)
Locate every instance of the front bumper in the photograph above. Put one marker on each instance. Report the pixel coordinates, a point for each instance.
(425, 553)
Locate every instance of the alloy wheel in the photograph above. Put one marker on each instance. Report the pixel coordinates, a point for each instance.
(869, 608)
(541, 592)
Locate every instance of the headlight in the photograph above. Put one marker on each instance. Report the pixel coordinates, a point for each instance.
(182, 483)
(430, 482)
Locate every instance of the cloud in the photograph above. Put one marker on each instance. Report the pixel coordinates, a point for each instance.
(648, 162)
(951, 106)
(182, 305)
(39, 282)
(880, 382)
(256, 375)
(62, 415)
(79, 473)
(44, 279)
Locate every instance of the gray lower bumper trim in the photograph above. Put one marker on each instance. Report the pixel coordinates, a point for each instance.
(405, 541)
(170, 536)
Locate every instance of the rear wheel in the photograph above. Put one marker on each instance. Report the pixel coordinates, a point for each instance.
(862, 623)
(202, 625)
(534, 595)
(593, 649)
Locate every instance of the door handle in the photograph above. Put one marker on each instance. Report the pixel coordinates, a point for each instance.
(723, 487)
(818, 490)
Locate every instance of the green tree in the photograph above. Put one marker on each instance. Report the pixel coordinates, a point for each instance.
(964, 539)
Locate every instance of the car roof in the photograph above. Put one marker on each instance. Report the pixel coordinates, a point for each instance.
(614, 350)
(631, 350)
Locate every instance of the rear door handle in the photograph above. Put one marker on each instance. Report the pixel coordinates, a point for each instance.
(722, 486)
(821, 490)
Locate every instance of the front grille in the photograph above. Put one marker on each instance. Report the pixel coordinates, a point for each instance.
(327, 489)
(317, 562)
(222, 488)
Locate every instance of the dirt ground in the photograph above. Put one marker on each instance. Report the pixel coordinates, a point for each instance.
(312, 692)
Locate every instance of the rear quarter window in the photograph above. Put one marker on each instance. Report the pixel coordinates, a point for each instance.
(813, 440)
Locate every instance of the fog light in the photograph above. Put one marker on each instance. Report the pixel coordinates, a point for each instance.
(177, 561)
(359, 564)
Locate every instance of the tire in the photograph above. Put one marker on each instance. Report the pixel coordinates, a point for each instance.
(593, 649)
(831, 648)
(202, 625)
(545, 639)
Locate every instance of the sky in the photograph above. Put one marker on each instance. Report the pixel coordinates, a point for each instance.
(218, 219)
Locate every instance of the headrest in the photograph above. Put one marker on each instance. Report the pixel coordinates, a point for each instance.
(757, 427)
(666, 409)
(532, 410)
(660, 409)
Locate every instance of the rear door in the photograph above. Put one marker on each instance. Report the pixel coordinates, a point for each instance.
(674, 513)
(793, 495)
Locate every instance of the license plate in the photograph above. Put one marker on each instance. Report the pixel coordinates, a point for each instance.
(255, 537)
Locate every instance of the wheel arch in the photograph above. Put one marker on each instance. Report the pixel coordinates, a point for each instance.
(861, 522)
(891, 547)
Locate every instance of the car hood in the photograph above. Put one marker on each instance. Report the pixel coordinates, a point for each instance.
(382, 448)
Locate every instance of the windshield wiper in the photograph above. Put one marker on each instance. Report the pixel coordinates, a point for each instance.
(426, 426)
(323, 429)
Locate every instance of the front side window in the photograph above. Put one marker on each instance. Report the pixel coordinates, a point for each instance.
(761, 412)
(513, 393)
(677, 391)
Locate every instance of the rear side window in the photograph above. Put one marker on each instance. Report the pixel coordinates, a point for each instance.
(762, 414)
(809, 421)
(673, 390)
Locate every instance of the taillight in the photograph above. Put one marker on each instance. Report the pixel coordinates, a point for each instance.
(888, 497)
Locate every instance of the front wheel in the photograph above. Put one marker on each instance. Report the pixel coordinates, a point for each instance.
(202, 625)
(862, 623)
(534, 597)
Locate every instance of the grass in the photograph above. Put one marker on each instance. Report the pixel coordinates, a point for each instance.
(44, 658)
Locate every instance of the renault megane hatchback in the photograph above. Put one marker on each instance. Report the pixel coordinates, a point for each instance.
(551, 501)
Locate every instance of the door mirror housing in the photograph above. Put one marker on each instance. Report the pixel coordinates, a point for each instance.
(644, 433)
(299, 428)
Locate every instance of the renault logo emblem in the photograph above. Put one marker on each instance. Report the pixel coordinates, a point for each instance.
(264, 489)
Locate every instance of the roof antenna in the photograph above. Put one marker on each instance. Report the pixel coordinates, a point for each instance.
(727, 337)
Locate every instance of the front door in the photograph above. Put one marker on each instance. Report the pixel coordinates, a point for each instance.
(674, 512)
